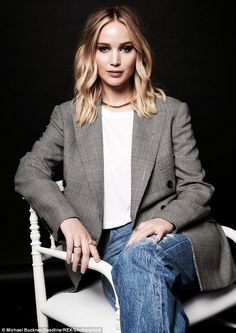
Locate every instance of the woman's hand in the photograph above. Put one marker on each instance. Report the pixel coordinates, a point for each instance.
(157, 226)
(78, 242)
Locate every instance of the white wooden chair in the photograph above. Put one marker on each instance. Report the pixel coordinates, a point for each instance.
(88, 310)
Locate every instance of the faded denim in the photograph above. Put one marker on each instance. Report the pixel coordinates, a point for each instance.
(146, 275)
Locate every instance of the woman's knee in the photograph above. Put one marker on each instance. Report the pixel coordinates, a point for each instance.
(135, 257)
(145, 256)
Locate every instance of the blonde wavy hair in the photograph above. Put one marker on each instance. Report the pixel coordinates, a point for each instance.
(88, 88)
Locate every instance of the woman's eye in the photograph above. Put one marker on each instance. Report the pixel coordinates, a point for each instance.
(103, 49)
(127, 49)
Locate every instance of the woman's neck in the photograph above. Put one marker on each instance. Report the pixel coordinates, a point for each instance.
(116, 96)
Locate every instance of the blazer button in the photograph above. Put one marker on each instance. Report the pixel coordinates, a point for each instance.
(170, 184)
(163, 206)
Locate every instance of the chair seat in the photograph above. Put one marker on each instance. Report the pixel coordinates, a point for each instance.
(208, 304)
(90, 308)
(87, 308)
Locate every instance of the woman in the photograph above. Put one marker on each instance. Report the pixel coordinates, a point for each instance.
(134, 184)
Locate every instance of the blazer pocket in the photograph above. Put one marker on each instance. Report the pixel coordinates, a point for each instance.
(163, 176)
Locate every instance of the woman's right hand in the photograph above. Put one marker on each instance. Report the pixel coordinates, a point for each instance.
(78, 242)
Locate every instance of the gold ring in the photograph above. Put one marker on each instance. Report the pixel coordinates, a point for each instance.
(92, 242)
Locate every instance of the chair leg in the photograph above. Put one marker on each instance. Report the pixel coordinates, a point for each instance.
(40, 294)
(38, 272)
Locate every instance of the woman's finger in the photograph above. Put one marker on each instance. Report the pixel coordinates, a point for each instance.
(69, 249)
(138, 235)
(76, 257)
(159, 235)
(94, 252)
(85, 255)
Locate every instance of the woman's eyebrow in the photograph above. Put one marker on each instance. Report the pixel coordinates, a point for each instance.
(122, 44)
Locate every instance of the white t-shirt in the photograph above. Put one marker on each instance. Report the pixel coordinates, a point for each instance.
(117, 143)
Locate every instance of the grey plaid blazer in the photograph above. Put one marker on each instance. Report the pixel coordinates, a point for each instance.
(167, 182)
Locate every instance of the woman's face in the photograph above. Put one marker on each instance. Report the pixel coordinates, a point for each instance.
(115, 55)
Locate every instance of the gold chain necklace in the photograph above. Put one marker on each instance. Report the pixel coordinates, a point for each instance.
(115, 106)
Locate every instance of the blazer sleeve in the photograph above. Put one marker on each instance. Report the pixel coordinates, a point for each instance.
(33, 179)
(192, 203)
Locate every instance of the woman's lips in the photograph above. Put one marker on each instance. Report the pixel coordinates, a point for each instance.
(115, 74)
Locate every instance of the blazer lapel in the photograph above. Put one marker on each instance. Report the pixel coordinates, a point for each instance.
(90, 146)
(146, 139)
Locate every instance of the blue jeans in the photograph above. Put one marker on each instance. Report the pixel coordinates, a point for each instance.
(146, 275)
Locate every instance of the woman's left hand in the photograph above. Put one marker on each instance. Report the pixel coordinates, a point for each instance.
(157, 226)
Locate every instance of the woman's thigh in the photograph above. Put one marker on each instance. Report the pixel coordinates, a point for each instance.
(172, 255)
(174, 251)
(112, 243)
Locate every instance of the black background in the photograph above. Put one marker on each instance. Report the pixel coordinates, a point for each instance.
(192, 42)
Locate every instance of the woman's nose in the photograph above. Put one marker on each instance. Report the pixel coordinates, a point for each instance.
(115, 58)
